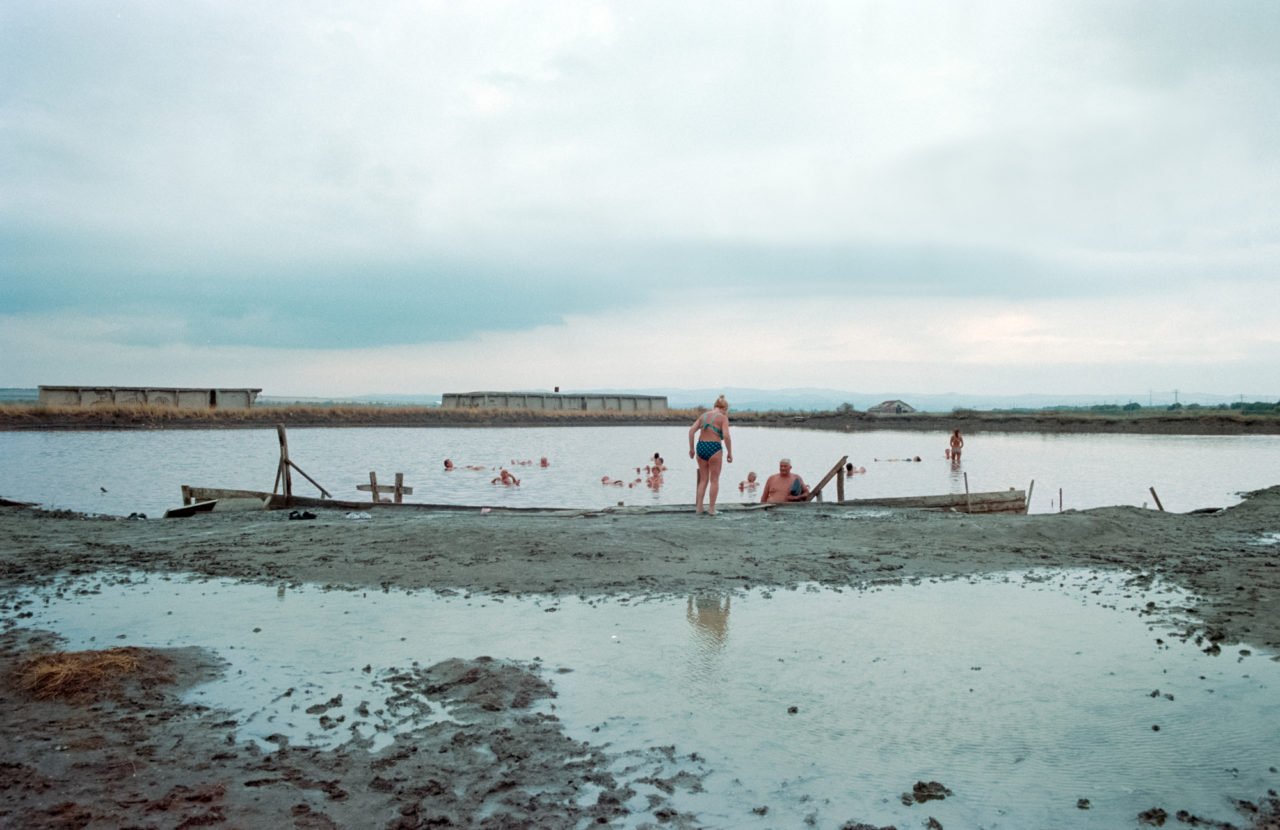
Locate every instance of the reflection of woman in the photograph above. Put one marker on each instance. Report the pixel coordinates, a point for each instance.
(710, 614)
(711, 430)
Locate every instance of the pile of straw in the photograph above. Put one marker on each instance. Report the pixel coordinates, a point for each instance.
(79, 674)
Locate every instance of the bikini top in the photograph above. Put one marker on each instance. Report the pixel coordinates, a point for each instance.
(713, 428)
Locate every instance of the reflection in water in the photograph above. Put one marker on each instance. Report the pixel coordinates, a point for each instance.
(709, 616)
(1021, 692)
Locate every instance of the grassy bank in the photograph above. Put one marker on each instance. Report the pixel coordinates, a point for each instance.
(1216, 422)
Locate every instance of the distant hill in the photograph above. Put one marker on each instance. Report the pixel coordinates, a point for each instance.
(819, 399)
(763, 400)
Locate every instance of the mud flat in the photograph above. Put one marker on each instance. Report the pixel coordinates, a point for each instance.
(133, 754)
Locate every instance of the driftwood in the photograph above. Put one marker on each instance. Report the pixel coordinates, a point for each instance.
(996, 501)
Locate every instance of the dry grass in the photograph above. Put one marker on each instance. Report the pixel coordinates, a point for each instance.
(39, 417)
(86, 674)
(36, 416)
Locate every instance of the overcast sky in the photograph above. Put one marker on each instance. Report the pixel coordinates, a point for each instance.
(338, 198)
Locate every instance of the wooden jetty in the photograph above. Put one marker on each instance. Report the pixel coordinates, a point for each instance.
(200, 499)
(203, 499)
(995, 501)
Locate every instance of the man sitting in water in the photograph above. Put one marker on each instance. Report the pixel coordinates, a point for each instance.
(784, 485)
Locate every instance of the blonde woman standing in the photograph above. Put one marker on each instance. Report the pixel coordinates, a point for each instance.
(713, 447)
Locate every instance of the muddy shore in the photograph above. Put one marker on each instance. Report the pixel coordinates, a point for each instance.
(134, 755)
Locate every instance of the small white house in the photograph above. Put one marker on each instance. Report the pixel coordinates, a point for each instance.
(891, 408)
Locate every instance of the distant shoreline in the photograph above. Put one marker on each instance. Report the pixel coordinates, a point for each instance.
(37, 418)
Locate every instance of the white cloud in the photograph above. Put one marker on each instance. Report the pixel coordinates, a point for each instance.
(1210, 342)
(1077, 169)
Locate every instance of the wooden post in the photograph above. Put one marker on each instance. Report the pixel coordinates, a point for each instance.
(323, 492)
(1030, 489)
(186, 495)
(1059, 499)
(1157, 498)
(285, 473)
(968, 500)
(815, 492)
(399, 490)
(840, 486)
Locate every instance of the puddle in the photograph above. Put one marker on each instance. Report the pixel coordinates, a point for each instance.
(1022, 693)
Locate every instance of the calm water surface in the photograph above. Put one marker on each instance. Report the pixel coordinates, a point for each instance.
(125, 472)
(1022, 693)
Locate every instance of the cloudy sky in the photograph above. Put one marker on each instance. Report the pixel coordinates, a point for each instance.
(338, 198)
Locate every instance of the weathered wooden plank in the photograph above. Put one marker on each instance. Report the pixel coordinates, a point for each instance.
(815, 491)
(383, 488)
(996, 501)
(190, 509)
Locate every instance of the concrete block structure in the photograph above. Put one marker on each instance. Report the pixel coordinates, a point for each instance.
(554, 402)
(178, 397)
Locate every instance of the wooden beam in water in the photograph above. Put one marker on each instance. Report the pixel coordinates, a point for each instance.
(813, 492)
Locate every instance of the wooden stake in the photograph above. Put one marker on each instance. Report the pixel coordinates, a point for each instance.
(373, 486)
(1030, 489)
(284, 464)
(840, 486)
(968, 500)
(323, 492)
(1059, 499)
(814, 492)
(399, 488)
(1157, 498)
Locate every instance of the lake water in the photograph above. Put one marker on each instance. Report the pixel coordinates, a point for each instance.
(119, 473)
(1021, 692)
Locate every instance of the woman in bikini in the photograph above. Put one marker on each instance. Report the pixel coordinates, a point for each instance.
(711, 431)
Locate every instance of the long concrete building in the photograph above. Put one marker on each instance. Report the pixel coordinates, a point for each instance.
(554, 401)
(179, 397)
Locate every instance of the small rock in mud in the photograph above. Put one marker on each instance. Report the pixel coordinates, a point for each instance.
(922, 792)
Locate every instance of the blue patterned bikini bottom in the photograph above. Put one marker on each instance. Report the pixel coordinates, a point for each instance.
(706, 449)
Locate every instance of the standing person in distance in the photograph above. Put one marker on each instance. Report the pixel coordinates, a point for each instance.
(957, 444)
(712, 448)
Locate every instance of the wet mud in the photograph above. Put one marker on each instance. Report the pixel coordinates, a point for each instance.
(484, 747)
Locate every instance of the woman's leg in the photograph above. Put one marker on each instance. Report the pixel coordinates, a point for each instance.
(702, 483)
(713, 472)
